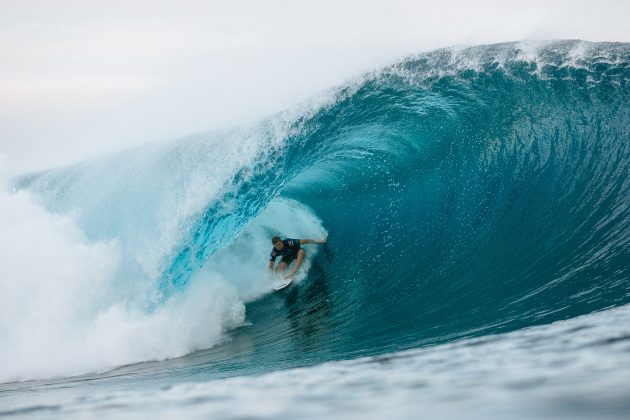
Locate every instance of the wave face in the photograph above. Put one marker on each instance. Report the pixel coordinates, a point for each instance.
(464, 191)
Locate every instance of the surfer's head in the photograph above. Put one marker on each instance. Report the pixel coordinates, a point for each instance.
(277, 243)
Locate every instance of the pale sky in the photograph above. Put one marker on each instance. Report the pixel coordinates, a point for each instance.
(79, 78)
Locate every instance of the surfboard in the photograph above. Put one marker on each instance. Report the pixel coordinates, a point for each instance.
(284, 283)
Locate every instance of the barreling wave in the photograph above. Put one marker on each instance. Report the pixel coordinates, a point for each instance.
(465, 192)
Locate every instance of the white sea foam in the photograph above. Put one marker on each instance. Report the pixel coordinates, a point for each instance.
(70, 305)
(60, 314)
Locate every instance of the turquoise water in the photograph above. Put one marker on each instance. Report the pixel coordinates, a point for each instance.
(569, 369)
(473, 195)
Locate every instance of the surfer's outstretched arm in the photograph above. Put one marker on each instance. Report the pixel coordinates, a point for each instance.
(312, 241)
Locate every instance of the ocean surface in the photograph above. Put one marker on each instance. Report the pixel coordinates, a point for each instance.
(477, 207)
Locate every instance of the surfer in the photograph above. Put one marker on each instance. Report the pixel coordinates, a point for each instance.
(289, 249)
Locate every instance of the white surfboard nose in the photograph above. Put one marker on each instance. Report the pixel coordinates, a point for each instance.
(282, 285)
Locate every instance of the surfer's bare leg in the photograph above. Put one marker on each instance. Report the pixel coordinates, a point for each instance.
(298, 263)
(282, 266)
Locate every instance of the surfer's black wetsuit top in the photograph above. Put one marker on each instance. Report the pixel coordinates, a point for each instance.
(288, 253)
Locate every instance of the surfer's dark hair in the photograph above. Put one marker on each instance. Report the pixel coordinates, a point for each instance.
(275, 240)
